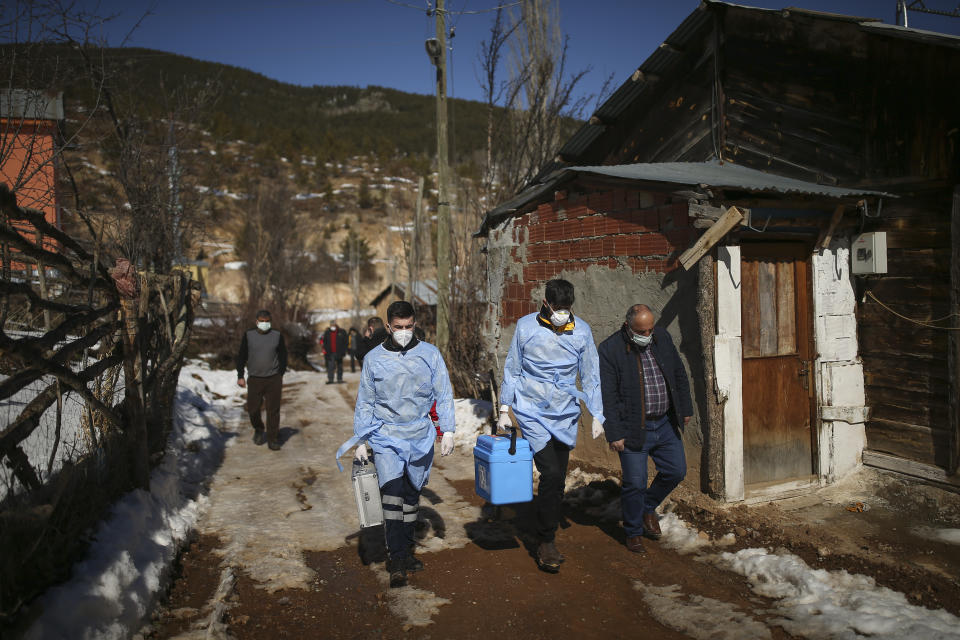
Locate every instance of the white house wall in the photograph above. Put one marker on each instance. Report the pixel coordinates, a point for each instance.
(728, 359)
(839, 369)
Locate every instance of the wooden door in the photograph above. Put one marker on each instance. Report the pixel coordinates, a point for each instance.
(778, 435)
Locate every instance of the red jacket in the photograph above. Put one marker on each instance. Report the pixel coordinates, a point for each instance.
(435, 418)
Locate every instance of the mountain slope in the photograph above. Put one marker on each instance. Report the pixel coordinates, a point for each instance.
(334, 122)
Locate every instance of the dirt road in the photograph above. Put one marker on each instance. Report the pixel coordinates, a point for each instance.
(279, 555)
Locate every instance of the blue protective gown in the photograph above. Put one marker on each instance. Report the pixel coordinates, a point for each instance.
(397, 389)
(540, 376)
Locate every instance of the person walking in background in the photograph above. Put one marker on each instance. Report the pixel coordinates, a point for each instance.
(400, 380)
(647, 397)
(263, 353)
(548, 351)
(373, 336)
(353, 338)
(334, 349)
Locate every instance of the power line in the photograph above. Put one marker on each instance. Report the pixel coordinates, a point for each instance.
(430, 9)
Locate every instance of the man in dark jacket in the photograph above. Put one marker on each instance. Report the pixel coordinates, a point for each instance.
(334, 349)
(373, 337)
(263, 353)
(646, 401)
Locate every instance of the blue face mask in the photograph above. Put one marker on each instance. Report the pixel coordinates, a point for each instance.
(263, 326)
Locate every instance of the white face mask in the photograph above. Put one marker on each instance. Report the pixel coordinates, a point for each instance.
(263, 326)
(641, 341)
(560, 318)
(403, 337)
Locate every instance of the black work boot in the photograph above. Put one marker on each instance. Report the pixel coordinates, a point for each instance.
(258, 437)
(398, 572)
(548, 558)
(413, 564)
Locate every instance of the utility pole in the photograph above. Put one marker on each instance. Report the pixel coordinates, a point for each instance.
(438, 54)
(354, 248)
(413, 257)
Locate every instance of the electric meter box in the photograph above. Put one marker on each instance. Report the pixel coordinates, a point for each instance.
(868, 253)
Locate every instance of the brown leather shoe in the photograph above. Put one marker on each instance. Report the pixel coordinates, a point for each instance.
(635, 544)
(651, 525)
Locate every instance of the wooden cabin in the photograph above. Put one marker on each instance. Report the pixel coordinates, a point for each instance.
(725, 184)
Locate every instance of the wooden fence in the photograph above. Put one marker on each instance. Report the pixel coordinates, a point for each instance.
(89, 361)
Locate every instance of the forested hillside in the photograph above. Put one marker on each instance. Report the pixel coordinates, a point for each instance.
(330, 122)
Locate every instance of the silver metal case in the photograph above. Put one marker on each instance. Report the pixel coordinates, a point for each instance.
(366, 490)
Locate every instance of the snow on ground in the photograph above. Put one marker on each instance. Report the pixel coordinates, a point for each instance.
(811, 603)
(472, 420)
(815, 603)
(71, 441)
(50, 445)
(950, 536)
(126, 566)
(317, 316)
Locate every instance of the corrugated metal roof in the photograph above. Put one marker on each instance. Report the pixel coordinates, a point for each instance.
(917, 35)
(715, 174)
(424, 292)
(31, 104)
(707, 174)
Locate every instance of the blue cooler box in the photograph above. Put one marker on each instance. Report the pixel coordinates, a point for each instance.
(502, 478)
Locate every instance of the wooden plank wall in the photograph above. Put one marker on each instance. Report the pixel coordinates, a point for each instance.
(905, 364)
(826, 102)
(675, 127)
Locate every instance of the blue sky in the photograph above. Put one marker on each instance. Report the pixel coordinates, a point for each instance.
(377, 42)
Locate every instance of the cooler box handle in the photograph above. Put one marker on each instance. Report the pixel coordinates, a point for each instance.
(513, 440)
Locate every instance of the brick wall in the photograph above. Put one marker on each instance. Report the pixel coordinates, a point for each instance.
(639, 230)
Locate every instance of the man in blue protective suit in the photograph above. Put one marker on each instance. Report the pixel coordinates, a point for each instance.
(548, 351)
(400, 380)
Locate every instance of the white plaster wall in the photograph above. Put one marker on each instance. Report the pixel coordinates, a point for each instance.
(838, 367)
(728, 358)
(728, 361)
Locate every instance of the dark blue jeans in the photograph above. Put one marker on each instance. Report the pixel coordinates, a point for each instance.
(663, 444)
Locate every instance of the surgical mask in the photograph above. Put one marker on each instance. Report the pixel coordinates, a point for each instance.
(559, 318)
(263, 326)
(403, 337)
(641, 341)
